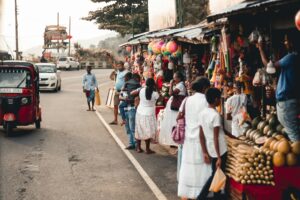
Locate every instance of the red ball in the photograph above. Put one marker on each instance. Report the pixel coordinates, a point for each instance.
(297, 20)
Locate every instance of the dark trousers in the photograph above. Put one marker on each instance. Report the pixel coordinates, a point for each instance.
(205, 190)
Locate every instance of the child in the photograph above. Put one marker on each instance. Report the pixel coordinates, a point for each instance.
(212, 138)
(123, 97)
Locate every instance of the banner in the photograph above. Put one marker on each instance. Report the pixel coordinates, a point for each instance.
(162, 14)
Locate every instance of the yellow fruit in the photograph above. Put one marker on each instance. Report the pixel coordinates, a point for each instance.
(275, 146)
(284, 147)
(296, 147)
(291, 159)
(279, 137)
(279, 159)
(268, 142)
(272, 144)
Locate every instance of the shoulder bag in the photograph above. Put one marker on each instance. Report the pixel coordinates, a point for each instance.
(178, 132)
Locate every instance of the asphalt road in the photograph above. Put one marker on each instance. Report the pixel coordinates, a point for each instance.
(73, 157)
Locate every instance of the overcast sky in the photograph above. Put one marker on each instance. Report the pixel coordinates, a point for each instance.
(34, 15)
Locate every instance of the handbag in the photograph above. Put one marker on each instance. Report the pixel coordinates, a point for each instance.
(178, 132)
(176, 102)
(97, 98)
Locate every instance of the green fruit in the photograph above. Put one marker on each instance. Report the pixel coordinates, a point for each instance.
(273, 122)
(270, 133)
(255, 122)
(279, 128)
(262, 125)
(266, 129)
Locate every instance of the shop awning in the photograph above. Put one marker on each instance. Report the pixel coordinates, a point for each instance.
(194, 35)
(167, 32)
(249, 6)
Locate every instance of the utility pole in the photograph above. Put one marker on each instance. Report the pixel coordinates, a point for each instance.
(58, 31)
(17, 31)
(69, 53)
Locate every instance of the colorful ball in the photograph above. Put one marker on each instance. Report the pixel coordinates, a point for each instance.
(172, 47)
(150, 46)
(297, 20)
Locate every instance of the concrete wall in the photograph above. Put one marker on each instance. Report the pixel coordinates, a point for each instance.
(2, 43)
(216, 6)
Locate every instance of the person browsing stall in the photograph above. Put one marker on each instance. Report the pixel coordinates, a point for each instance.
(212, 138)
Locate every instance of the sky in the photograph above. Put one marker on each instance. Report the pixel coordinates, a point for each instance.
(34, 15)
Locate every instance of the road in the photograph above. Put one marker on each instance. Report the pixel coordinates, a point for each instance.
(74, 157)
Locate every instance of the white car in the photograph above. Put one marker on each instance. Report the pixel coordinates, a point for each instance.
(67, 63)
(50, 79)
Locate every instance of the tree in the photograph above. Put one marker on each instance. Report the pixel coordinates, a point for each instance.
(123, 16)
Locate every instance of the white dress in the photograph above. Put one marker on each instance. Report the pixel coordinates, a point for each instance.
(193, 171)
(234, 105)
(145, 120)
(169, 119)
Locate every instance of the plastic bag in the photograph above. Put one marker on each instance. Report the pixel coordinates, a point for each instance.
(97, 98)
(218, 182)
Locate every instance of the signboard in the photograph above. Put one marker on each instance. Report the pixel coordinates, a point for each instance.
(162, 14)
(216, 6)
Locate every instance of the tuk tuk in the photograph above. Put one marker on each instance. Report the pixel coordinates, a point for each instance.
(19, 95)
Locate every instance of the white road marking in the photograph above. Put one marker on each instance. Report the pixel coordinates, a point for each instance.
(159, 195)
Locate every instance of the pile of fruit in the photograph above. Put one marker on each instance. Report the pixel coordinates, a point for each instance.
(247, 164)
(165, 90)
(269, 135)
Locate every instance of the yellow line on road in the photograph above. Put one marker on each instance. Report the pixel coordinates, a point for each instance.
(159, 195)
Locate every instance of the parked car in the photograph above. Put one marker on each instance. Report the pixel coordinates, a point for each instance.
(67, 63)
(50, 79)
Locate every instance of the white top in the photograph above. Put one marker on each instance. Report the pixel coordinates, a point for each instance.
(181, 87)
(89, 82)
(147, 107)
(194, 105)
(210, 118)
(235, 103)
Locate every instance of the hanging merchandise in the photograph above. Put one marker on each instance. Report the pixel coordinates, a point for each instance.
(225, 43)
(171, 65)
(128, 48)
(164, 50)
(297, 20)
(172, 46)
(150, 46)
(157, 47)
(259, 78)
(178, 53)
(211, 66)
(186, 57)
(214, 44)
(270, 68)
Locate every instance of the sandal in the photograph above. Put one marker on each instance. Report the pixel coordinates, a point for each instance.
(113, 123)
(140, 150)
(150, 152)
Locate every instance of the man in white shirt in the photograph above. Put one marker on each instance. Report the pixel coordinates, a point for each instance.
(90, 83)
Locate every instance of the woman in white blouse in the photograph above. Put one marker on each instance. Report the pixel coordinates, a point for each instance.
(145, 125)
(177, 87)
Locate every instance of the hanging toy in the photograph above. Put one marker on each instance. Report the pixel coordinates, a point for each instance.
(297, 20)
(214, 44)
(172, 46)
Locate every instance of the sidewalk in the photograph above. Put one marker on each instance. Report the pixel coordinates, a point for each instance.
(161, 166)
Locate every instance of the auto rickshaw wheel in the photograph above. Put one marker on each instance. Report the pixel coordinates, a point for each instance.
(8, 129)
(37, 124)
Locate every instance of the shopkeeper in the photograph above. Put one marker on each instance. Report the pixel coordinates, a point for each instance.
(287, 91)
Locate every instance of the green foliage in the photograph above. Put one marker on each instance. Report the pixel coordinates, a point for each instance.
(123, 16)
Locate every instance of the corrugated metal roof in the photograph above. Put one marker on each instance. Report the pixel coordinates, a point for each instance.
(247, 6)
(168, 32)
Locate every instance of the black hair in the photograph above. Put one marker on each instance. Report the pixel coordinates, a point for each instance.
(136, 77)
(128, 76)
(200, 84)
(179, 75)
(238, 84)
(150, 87)
(212, 94)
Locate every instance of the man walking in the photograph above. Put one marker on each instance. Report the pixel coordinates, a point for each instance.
(120, 81)
(89, 85)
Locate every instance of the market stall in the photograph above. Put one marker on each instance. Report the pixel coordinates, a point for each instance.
(263, 162)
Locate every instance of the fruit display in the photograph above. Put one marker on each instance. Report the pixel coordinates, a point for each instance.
(247, 164)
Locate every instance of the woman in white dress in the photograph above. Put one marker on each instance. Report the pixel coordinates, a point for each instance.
(177, 87)
(145, 120)
(194, 172)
